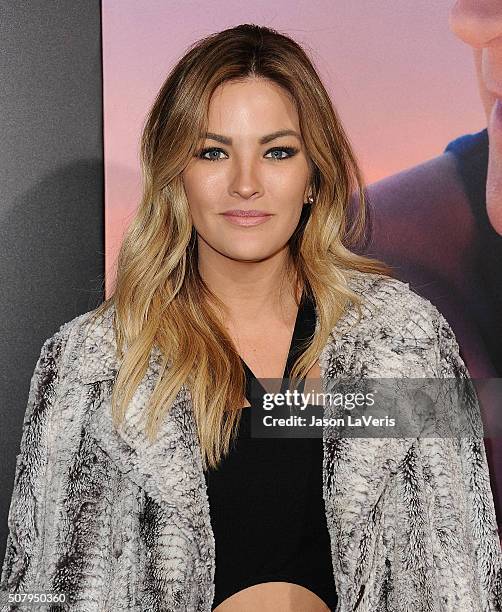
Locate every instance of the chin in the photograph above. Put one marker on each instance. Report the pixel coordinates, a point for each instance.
(251, 256)
(252, 251)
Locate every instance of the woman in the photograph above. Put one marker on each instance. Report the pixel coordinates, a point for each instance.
(238, 265)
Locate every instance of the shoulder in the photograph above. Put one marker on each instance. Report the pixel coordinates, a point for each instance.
(85, 342)
(389, 301)
(83, 325)
(397, 328)
(402, 206)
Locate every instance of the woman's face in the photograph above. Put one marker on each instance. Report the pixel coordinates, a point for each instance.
(479, 24)
(245, 163)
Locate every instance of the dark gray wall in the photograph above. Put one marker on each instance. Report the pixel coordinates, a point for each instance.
(51, 195)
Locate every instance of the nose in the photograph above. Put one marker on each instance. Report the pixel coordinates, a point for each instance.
(477, 22)
(245, 181)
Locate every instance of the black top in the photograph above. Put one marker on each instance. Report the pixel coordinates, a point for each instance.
(471, 156)
(266, 503)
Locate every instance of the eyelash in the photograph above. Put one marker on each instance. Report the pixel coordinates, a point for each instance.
(291, 151)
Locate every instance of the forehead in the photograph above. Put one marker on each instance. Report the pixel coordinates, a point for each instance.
(238, 106)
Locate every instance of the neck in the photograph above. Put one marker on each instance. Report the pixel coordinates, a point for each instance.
(251, 290)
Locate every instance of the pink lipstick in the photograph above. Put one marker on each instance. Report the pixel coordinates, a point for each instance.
(246, 217)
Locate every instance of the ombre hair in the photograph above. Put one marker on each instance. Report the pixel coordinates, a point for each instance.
(159, 296)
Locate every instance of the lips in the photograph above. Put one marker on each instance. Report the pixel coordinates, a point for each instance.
(246, 213)
(247, 218)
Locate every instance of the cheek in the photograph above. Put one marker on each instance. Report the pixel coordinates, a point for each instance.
(289, 183)
(202, 192)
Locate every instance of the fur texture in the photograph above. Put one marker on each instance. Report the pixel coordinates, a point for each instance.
(121, 524)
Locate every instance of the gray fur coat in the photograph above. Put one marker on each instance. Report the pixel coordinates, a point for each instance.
(120, 524)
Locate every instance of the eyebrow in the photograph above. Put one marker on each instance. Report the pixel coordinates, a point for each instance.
(263, 139)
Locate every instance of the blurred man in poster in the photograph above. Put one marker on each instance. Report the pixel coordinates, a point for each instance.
(439, 224)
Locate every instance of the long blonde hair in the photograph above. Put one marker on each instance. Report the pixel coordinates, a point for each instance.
(159, 296)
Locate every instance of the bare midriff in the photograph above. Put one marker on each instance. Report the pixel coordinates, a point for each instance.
(273, 597)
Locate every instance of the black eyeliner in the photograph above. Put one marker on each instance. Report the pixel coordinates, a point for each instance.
(291, 151)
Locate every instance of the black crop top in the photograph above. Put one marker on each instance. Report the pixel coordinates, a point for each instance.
(266, 504)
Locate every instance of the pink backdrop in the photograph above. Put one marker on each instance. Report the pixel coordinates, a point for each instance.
(402, 83)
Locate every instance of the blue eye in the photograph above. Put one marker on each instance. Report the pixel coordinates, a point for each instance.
(290, 151)
(210, 150)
